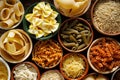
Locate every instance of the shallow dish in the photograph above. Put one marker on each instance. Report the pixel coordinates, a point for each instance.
(74, 66)
(15, 46)
(52, 74)
(26, 24)
(11, 14)
(4, 66)
(75, 35)
(103, 55)
(25, 66)
(116, 75)
(104, 16)
(47, 54)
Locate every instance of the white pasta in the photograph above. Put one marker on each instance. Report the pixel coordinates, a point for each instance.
(107, 16)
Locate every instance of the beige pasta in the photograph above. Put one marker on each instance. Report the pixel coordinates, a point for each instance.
(15, 18)
(10, 3)
(5, 14)
(7, 24)
(18, 8)
(2, 4)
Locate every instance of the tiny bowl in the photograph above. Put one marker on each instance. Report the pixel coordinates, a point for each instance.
(100, 62)
(7, 67)
(95, 76)
(26, 23)
(78, 40)
(47, 54)
(116, 75)
(28, 65)
(53, 74)
(72, 75)
(19, 55)
(93, 8)
(69, 13)
(15, 15)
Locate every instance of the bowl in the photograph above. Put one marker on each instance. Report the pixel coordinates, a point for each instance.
(104, 17)
(72, 8)
(15, 46)
(11, 14)
(116, 75)
(75, 35)
(74, 66)
(47, 54)
(103, 55)
(95, 76)
(4, 70)
(25, 70)
(47, 25)
(52, 74)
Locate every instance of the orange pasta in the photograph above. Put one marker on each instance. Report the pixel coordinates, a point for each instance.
(47, 53)
(105, 54)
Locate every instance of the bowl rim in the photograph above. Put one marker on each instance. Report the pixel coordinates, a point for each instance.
(85, 60)
(29, 63)
(18, 23)
(92, 13)
(38, 42)
(83, 21)
(26, 27)
(7, 66)
(54, 70)
(29, 52)
(114, 73)
(89, 61)
(85, 10)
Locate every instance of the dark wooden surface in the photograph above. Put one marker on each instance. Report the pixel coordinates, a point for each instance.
(86, 16)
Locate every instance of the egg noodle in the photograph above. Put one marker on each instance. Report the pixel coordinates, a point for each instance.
(74, 66)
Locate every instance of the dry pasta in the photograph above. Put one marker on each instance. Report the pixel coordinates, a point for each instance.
(11, 12)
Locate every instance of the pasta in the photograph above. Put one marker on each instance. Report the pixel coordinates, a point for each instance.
(3, 72)
(15, 43)
(104, 54)
(42, 20)
(73, 66)
(106, 16)
(47, 53)
(11, 12)
(75, 35)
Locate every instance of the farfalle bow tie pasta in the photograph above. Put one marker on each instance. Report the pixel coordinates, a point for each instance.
(42, 20)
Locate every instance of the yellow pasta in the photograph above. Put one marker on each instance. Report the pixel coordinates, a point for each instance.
(42, 20)
(18, 8)
(15, 18)
(7, 23)
(10, 3)
(5, 14)
(2, 4)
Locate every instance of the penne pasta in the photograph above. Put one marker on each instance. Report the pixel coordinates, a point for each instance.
(18, 8)
(7, 24)
(15, 18)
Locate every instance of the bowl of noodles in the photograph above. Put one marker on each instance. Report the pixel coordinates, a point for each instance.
(11, 13)
(74, 66)
(41, 21)
(4, 70)
(104, 15)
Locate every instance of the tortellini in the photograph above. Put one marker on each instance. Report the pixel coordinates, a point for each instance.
(42, 20)
(11, 12)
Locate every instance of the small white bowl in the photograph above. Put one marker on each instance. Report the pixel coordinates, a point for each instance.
(7, 66)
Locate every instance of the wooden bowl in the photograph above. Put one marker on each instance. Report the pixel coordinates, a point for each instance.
(52, 74)
(78, 40)
(98, 20)
(104, 62)
(69, 73)
(47, 54)
(28, 64)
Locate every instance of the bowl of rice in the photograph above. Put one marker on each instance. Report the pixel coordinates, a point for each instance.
(74, 66)
(105, 15)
